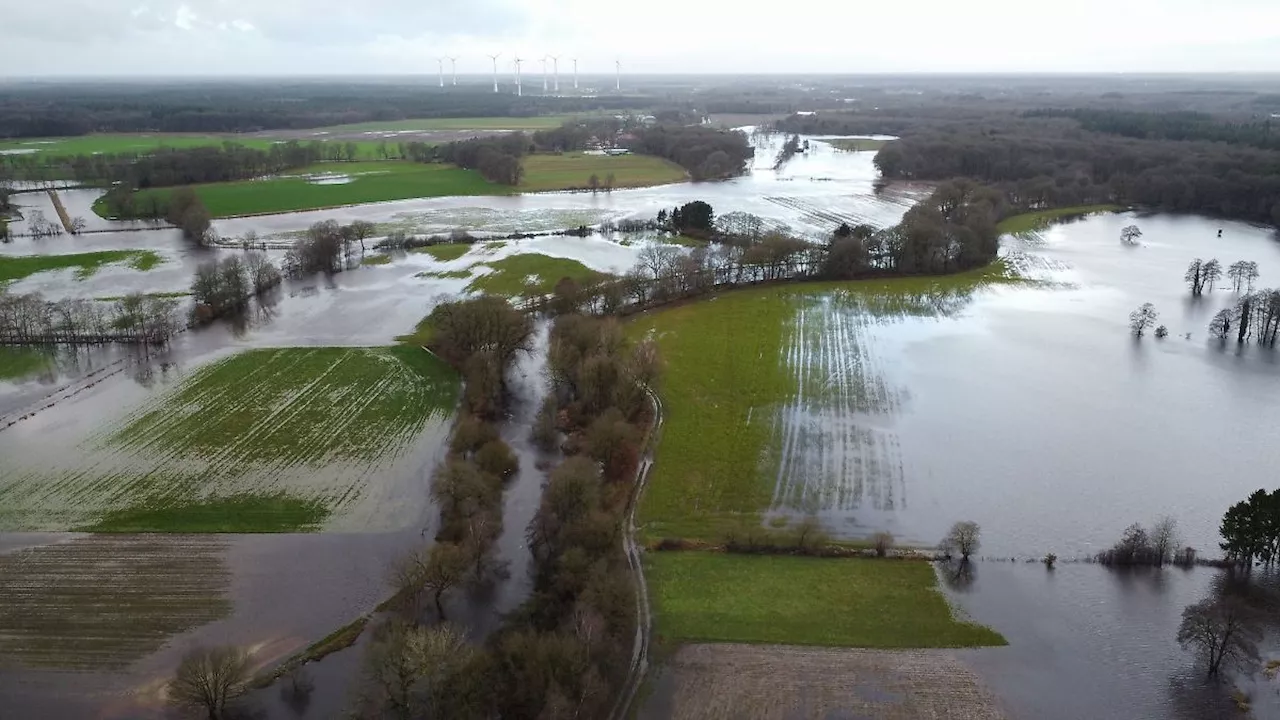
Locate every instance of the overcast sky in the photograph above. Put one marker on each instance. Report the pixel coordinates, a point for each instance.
(287, 37)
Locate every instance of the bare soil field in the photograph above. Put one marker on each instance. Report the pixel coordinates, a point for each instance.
(777, 682)
(101, 602)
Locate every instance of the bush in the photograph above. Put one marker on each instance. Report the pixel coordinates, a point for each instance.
(544, 434)
(496, 458)
(883, 542)
(1050, 560)
(471, 434)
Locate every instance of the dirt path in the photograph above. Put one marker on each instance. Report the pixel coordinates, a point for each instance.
(782, 682)
(62, 212)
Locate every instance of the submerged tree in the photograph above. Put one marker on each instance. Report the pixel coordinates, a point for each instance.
(210, 679)
(963, 538)
(1223, 633)
(1142, 318)
(1130, 234)
(1220, 326)
(1243, 274)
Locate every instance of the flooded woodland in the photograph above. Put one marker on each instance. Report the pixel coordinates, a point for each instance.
(1024, 405)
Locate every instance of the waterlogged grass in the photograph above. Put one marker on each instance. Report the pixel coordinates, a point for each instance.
(237, 514)
(376, 260)
(85, 264)
(856, 144)
(17, 362)
(718, 597)
(737, 364)
(447, 274)
(369, 182)
(445, 252)
(263, 441)
(531, 274)
(296, 406)
(1030, 223)
(572, 171)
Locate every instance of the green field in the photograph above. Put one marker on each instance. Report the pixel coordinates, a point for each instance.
(541, 122)
(572, 171)
(1031, 223)
(857, 144)
(370, 182)
(114, 143)
(19, 362)
(262, 441)
(718, 597)
(738, 369)
(445, 252)
(16, 267)
(530, 274)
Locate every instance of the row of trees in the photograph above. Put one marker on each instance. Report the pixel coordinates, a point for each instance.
(1156, 546)
(140, 319)
(1255, 315)
(170, 167)
(1260, 133)
(707, 154)
(325, 247)
(498, 158)
(224, 287)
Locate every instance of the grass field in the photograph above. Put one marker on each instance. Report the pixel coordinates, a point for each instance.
(446, 252)
(262, 441)
(16, 267)
(572, 171)
(370, 182)
(1030, 223)
(758, 394)
(701, 596)
(856, 144)
(541, 122)
(19, 362)
(531, 274)
(113, 143)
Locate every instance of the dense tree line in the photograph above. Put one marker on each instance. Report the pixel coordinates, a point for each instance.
(1251, 530)
(324, 248)
(498, 158)
(137, 318)
(1256, 316)
(480, 338)
(56, 109)
(1263, 132)
(707, 154)
(1156, 546)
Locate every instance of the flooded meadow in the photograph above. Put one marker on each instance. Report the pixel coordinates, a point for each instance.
(1023, 405)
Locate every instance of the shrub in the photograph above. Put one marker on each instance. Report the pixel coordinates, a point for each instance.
(883, 543)
(471, 434)
(495, 457)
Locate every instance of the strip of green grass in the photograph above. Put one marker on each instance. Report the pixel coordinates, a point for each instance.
(117, 143)
(716, 462)
(236, 514)
(857, 144)
(1036, 221)
(18, 267)
(572, 171)
(376, 260)
(541, 122)
(511, 275)
(446, 252)
(370, 182)
(17, 362)
(340, 639)
(718, 597)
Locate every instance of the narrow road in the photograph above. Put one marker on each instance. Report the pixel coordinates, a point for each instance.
(644, 619)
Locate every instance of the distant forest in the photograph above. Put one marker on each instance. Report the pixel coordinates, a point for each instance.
(248, 106)
(1175, 161)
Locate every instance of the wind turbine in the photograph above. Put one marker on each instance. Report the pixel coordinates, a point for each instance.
(575, 73)
(440, 62)
(555, 64)
(519, 90)
(453, 62)
(494, 58)
(618, 75)
(544, 74)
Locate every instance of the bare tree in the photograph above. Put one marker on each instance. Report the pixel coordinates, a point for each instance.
(362, 230)
(883, 543)
(1212, 272)
(77, 225)
(417, 672)
(1220, 326)
(210, 679)
(1130, 234)
(1142, 318)
(435, 571)
(963, 538)
(1164, 539)
(1221, 632)
(1194, 276)
(809, 534)
(1242, 274)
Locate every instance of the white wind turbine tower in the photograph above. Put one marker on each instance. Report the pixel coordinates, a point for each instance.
(575, 73)
(494, 58)
(544, 74)
(555, 65)
(617, 82)
(519, 90)
(453, 64)
(440, 62)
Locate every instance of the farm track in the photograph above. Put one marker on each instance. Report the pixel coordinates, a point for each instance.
(101, 602)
